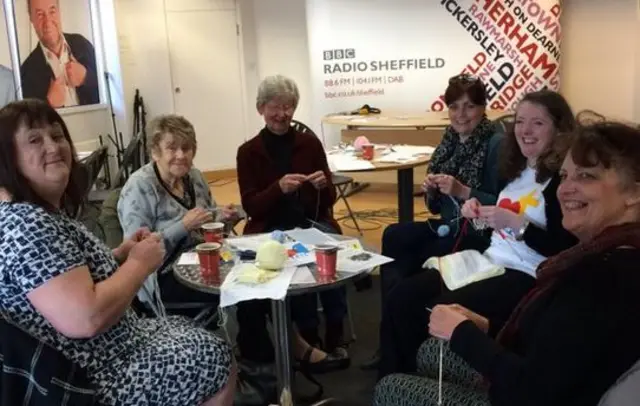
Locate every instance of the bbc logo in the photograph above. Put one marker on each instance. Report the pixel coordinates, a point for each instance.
(334, 54)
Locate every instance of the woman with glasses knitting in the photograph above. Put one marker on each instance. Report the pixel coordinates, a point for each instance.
(169, 195)
(463, 166)
(285, 182)
(571, 338)
(527, 228)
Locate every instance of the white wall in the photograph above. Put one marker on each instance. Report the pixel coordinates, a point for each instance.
(600, 65)
(282, 46)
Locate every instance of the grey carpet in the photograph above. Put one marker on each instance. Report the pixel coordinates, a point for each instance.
(354, 386)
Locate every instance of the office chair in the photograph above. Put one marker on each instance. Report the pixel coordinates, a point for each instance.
(507, 121)
(341, 182)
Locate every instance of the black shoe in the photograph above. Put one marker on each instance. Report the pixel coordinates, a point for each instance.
(334, 361)
(371, 363)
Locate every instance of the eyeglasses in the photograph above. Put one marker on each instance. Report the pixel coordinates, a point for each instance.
(463, 78)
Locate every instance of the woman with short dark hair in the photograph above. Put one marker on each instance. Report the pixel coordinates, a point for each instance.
(65, 288)
(577, 331)
(463, 166)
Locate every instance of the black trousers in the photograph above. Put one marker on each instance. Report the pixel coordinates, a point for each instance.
(405, 321)
(253, 338)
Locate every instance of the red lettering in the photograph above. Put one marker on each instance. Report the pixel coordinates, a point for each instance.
(526, 73)
(479, 60)
(547, 66)
(520, 37)
(496, 11)
(556, 10)
(530, 51)
(496, 105)
(437, 106)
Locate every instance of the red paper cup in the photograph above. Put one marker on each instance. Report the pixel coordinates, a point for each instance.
(367, 151)
(209, 257)
(213, 232)
(326, 260)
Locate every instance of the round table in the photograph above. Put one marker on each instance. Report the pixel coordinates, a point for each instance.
(189, 275)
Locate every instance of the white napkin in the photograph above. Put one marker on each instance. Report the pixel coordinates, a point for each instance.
(232, 291)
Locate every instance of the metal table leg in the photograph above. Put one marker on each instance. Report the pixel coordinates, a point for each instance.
(282, 337)
(405, 195)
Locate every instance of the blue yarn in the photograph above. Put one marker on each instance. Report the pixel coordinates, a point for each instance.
(279, 236)
(443, 230)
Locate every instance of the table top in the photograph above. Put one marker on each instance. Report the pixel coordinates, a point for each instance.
(398, 119)
(189, 275)
(390, 166)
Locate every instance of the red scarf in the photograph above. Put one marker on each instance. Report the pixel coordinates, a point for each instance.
(554, 268)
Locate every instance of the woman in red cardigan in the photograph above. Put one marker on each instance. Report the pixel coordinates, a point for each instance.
(285, 182)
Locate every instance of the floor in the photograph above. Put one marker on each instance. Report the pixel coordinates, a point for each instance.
(375, 207)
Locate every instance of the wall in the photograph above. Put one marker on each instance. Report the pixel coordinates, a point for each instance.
(273, 36)
(600, 68)
(282, 46)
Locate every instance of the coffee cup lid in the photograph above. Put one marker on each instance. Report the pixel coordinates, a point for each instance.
(208, 246)
(326, 248)
(213, 226)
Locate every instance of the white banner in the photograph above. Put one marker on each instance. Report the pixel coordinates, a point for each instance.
(399, 54)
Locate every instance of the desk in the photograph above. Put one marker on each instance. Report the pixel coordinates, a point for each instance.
(190, 276)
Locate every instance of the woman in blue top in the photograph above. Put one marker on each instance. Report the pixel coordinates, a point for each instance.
(463, 166)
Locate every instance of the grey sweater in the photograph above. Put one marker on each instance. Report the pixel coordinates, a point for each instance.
(144, 202)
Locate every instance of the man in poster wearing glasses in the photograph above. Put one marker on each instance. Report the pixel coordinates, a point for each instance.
(62, 67)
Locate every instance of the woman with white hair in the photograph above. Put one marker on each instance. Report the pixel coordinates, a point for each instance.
(285, 182)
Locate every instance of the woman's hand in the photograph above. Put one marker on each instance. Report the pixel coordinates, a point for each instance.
(499, 218)
(149, 252)
(289, 183)
(444, 320)
(318, 179)
(122, 252)
(196, 217)
(429, 182)
(449, 185)
(229, 213)
(471, 208)
(481, 322)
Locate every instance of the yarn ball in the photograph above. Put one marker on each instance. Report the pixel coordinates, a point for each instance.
(279, 236)
(360, 142)
(271, 255)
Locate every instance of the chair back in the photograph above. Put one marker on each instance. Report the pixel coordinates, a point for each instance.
(626, 391)
(109, 221)
(132, 160)
(507, 121)
(302, 128)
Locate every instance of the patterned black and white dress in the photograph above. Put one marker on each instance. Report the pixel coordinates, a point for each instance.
(137, 361)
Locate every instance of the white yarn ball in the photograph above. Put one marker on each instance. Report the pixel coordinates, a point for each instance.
(271, 255)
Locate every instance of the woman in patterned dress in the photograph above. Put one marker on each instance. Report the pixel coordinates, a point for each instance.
(65, 287)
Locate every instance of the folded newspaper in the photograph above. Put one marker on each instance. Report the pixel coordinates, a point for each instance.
(463, 268)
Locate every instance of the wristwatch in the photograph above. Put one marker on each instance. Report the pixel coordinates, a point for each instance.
(520, 232)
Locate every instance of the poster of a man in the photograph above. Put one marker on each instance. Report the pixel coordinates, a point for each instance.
(62, 67)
